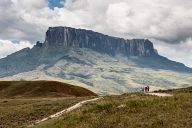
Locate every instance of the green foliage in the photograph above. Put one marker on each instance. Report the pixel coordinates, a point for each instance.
(105, 107)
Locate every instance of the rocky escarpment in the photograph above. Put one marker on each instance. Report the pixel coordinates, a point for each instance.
(70, 37)
(63, 43)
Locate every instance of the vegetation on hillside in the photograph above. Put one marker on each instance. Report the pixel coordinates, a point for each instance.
(130, 111)
(102, 73)
(23, 89)
(24, 102)
(19, 113)
(177, 91)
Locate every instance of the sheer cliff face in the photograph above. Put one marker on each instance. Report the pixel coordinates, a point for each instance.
(57, 58)
(70, 37)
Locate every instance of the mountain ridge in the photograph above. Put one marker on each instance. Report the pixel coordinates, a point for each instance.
(106, 71)
(81, 38)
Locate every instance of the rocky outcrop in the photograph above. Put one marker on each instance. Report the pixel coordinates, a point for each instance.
(71, 37)
(39, 44)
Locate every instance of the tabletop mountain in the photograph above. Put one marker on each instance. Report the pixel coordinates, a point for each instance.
(100, 62)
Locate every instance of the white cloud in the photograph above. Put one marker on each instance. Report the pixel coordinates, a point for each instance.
(7, 47)
(168, 21)
(165, 20)
(181, 52)
(29, 5)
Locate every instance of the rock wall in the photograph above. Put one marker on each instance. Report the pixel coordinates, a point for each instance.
(71, 37)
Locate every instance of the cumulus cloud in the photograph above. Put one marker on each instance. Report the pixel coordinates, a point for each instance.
(7, 47)
(166, 22)
(181, 52)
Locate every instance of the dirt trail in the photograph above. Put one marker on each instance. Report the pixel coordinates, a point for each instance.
(78, 105)
(160, 94)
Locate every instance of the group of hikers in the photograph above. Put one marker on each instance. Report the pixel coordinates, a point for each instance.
(142, 89)
(146, 89)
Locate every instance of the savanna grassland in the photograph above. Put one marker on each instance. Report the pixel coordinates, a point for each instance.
(134, 110)
(24, 102)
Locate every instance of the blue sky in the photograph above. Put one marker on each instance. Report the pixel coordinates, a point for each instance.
(55, 3)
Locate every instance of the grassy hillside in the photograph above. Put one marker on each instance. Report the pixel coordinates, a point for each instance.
(131, 111)
(24, 102)
(19, 113)
(177, 91)
(23, 89)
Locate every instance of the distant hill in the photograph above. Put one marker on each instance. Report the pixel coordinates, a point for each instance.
(106, 64)
(23, 89)
(59, 40)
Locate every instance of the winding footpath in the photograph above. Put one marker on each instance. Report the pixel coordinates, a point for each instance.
(67, 110)
(78, 105)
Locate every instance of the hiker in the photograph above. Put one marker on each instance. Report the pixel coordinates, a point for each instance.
(145, 89)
